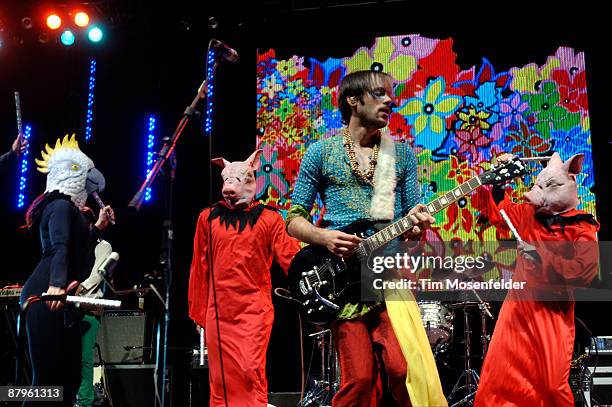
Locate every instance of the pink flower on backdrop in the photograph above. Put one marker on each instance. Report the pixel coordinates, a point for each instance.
(569, 60)
(470, 142)
(512, 110)
(415, 45)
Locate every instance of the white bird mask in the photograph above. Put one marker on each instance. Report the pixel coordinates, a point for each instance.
(70, 171)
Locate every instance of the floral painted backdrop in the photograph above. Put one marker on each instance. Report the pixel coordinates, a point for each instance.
(457, 119)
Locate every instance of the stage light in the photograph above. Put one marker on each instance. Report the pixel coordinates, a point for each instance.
(67, 38)
(43, 38)
(26, 22)
(210, 64)
(90, 99)
(150, 152)
(54, 21)
(81, 19)
(23, 179)
(95, 34)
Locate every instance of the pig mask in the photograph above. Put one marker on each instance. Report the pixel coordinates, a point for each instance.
(556, 190)
(239, 180)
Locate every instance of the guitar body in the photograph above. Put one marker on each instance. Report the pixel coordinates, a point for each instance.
(91, 286)
(323, 283)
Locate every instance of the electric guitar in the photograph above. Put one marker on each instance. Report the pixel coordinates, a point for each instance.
(322, 283)
(106, 260)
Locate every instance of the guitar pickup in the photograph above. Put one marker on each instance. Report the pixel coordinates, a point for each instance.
(335, 267)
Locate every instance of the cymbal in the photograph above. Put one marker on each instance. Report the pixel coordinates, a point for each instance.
(465, 304)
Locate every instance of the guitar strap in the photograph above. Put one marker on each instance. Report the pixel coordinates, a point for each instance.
(383, 199)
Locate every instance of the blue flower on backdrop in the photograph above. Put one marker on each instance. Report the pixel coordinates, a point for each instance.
(576, 141)
(326, 73)
(487, 98)
(428, 113)
(448, 147)
(332, 118)
(486, 73)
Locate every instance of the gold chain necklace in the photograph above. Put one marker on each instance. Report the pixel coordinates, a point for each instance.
(368, 175)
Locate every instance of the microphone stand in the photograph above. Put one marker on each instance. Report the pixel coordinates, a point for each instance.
(169, 144)
(166, 154)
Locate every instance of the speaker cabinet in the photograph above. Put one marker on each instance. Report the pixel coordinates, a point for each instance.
(134, 385)
(121, 337)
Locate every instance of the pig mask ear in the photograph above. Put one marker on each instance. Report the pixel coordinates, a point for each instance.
(221, 162)
(555, 161)
(573, 166)
(254, 160)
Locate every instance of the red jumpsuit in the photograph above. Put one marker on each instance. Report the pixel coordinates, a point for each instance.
(241, 261)
(529, 357)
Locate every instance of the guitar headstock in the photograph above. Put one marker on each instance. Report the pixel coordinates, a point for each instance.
(504, 172)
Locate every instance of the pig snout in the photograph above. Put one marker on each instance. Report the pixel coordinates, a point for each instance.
(535, 197)
(230, 190)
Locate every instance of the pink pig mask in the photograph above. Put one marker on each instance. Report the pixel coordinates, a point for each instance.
(556, 190)
(239, 180)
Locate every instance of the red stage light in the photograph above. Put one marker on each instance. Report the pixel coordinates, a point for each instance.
(81, 19)
(54, 21)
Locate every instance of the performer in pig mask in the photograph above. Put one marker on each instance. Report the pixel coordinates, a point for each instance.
(529, 358)
(235, 241)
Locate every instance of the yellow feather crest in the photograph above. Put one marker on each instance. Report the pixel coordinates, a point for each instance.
(48, 152)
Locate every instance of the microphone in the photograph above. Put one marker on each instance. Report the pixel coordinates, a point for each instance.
(228, 53)
(109, 264)
(100, 204)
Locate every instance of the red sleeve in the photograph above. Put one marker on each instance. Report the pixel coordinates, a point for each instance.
(198, 277)
(516, 212)
(578, 264)
(284, 247)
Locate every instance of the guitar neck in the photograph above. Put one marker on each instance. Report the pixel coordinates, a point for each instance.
(403, 225)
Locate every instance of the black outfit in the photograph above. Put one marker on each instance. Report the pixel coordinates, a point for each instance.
(53, 336)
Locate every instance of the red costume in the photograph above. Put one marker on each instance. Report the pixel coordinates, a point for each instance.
(529, 357)
(244, 242)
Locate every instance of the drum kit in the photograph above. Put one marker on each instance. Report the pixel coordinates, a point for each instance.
(439, 320)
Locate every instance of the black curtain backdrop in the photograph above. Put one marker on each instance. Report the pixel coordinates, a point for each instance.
(152, 61)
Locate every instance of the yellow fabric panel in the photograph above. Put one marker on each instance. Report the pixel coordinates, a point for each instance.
(422, 379)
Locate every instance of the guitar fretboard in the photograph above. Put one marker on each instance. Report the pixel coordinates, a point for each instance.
(396, 229)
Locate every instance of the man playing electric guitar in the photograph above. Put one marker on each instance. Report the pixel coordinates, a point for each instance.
(364, 174)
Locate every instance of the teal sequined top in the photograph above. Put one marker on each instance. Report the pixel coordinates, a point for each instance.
(326, 170)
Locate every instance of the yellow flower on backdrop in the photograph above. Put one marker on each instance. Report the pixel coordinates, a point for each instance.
(380, 58)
